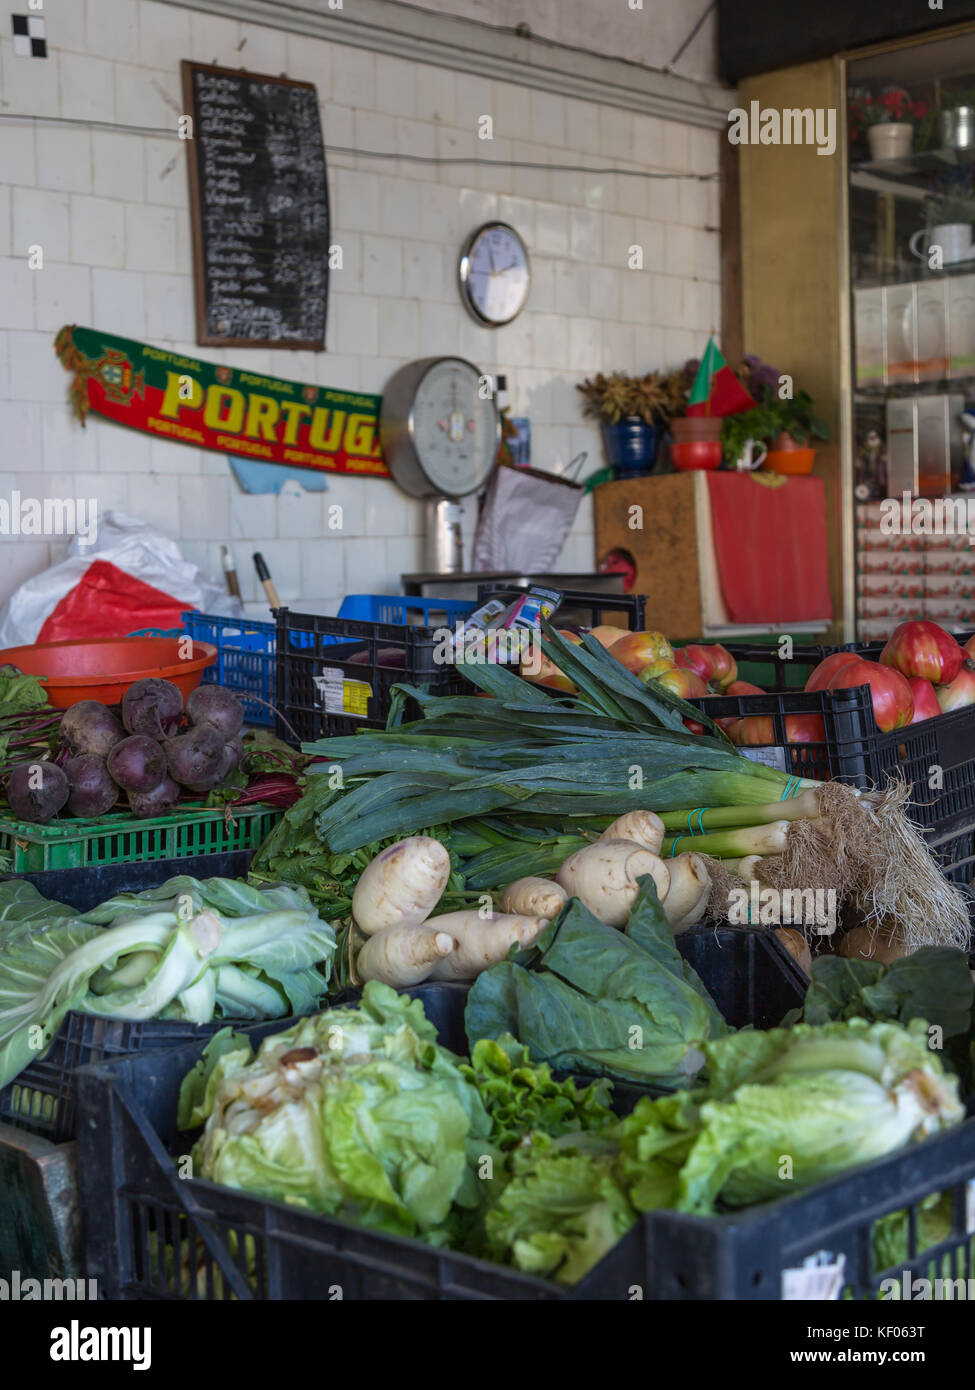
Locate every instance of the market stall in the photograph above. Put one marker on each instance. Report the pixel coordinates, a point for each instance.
(451, 848)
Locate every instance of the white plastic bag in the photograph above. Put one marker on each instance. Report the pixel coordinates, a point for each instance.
(58, 598)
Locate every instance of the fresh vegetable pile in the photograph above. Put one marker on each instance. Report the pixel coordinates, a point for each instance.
(517, 781)
(191, 949)
(359, 1113)
(151, 754)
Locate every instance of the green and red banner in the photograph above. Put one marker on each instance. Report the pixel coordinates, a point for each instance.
(228, 409)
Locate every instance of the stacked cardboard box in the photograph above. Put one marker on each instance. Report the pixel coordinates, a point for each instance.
(903, 576)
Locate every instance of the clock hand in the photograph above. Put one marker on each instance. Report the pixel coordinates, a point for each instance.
(491, 259)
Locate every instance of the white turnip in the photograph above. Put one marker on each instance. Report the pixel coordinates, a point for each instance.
(642, 827)
(402, 885)
(687, 897)
(402, 955)
(482, 941)
(534, 897)
(603, 876)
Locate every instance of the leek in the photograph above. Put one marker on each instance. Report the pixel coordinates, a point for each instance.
(731, 844)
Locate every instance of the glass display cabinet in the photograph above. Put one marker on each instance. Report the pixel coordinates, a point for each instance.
(910, 116)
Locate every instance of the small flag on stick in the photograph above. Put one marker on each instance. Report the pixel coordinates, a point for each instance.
(716, 389)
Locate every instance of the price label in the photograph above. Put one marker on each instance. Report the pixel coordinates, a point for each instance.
(338, 695)
(820, 1278)
(771, 757)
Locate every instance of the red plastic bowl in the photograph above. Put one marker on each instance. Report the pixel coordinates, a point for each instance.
(696, 454)
(104, 668)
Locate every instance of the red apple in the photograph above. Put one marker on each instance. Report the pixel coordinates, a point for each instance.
(606, 635)
(824, 672)
(959, 693)
(638, 649)
(923, 649)
(715, 665)
(757, 730)
(893, 701)
(925, 699)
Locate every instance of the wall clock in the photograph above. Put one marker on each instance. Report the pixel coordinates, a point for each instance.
(439, 433)
(494, 274)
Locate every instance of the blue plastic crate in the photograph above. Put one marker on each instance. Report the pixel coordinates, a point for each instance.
(387, 608)
(245, 660)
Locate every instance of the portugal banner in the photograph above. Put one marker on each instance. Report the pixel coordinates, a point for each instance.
(228, 409)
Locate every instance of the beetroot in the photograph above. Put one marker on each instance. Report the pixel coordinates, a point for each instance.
(157, 802)
(92, 790)
(152, 707)
(37, 791)
(137, 764)
(89, 727)
(233, 751)
(196, 758)
(211, 704)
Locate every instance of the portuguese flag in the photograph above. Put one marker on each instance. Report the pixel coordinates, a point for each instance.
(716, 389)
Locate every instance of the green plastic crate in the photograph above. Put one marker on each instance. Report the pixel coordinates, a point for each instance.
(121, 839)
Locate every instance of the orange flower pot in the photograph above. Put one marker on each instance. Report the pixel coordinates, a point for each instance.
(786, 456)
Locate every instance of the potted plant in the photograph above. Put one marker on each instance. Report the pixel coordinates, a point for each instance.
(785, 428)
(632, 410)
(889, 120)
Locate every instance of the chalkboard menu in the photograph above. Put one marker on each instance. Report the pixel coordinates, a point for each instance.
(259, 204)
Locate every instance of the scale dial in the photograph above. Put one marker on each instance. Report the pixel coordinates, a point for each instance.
(494, 274)
(439, 435)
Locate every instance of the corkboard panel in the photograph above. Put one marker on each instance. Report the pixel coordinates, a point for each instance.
(664, 549)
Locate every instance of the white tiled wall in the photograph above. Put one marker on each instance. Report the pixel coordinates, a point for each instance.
(111, 212)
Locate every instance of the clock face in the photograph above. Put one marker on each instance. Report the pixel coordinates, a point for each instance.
(454, 432)
(494, 274)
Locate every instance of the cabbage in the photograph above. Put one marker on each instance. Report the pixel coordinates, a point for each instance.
(785, 1109)
(357, 1113)
(189, 949)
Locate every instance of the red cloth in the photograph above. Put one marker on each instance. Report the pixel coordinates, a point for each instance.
(770, 546)
(107, 602)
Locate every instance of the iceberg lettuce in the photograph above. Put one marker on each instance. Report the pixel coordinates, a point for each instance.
(356, 1112)
(785, 1109)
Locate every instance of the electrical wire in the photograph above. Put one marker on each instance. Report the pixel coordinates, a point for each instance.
(159, 133)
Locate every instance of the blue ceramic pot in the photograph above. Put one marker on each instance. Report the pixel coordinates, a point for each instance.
(631, 447)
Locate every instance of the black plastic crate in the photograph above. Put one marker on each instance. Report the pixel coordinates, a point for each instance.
(953, 845)
(581, 608)
(854, 750)
(335, 675)
(151, 1234)
(43, 1098)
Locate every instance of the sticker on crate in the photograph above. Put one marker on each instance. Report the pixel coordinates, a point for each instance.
(819, 1278)
(339, 695)
(771, 757)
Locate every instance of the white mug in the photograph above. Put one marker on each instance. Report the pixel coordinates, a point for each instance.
(954, 238)
(750, 457)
